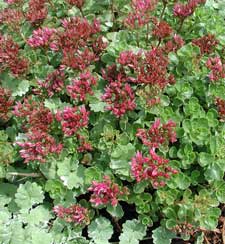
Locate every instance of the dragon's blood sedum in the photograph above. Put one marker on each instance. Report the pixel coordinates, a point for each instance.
(158, 134)
(6, 104)
(153, 168)
(75, 214)
(112, 114)
(106, 192)
(72, 119)
(81, 87)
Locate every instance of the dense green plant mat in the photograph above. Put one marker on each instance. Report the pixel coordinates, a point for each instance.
(112, 121)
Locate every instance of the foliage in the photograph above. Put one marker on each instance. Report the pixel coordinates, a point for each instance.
(111, 121)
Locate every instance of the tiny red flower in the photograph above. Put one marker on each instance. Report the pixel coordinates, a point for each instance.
(153, 168)
(105, 192)
(74, 214)
(158, 134)
(72, 119)
(6, 103)
(220, 103)
(82, 86)
(161, 30)
(206, 43)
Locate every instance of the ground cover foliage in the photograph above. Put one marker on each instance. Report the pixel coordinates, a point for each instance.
(112, 121)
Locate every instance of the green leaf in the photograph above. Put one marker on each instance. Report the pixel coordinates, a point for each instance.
(180, 181)
(71, 173)
(120, 159)
(116, 211)
(214, 172)
(162, 236)
(29, 194)
(205, 159)
(7, 192)
(133, 232)
(38, 216)
(100, 230)
(95, 102)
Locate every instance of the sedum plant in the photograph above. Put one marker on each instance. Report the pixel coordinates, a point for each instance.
(112, 121)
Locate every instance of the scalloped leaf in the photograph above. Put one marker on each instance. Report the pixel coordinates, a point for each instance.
(133, 232)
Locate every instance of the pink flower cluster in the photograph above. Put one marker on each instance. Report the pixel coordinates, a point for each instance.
(78, 42)
(10, 57)
(207, 43)
(158, 134)
(120, 97)
(182, 11)
(13, 1)
(41, 37)
(78, 3)
(37, 117)
(37, 120)
(82, 86)
(74, 214)
(220, 103)
(72, 119)
(106, 192)
(12, 17)
(6, 103)
(174, 44)
(140, 14)
(217, 68)
(84, 145)
(39, 145)
(153, 168)
(161, 29)
(37, 11)
(54, 82)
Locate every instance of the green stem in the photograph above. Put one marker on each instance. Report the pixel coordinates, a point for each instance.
(181, 25)
(137, 39)
(82, 13)
(33, 175)
(163, 10)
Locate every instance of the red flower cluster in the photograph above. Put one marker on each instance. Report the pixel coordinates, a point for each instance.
(82, 86)
(206, 43)
(78, 41)
(78, 3)
(119, 96)
(37, 116)
(54, 82)
(153, 69)
(153, 168)
(41, 37)
(143, 6)
(72, 119)
(217, 68)
(39, 145)
(37, 11)
(6, 103)
(106, 192)
(74, 214)
(140, 14)
(174, 44)
(161, 29)
(158, 134)
(85, 146)
(38, 120)
(149, 67)
(13, 1)
(10, 58)
(220, 103)
(182, 11)
(11, 17)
